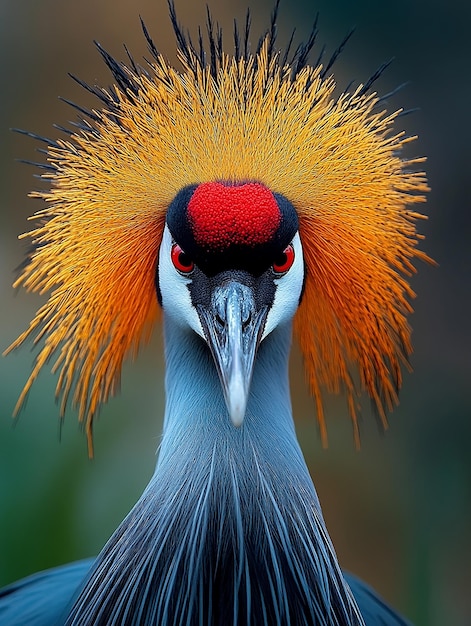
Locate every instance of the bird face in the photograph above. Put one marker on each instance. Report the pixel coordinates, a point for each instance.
(231, 278)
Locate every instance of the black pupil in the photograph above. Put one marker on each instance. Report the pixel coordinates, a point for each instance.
(281, 260)
(184, 259)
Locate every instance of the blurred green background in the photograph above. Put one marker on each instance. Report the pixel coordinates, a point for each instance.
(398, 510)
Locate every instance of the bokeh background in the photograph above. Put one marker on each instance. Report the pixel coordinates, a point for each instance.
(398, 510)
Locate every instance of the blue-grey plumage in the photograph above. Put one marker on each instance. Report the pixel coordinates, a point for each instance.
(42, 599)
(229, 530)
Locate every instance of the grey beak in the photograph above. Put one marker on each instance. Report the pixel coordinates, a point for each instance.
(233, 327)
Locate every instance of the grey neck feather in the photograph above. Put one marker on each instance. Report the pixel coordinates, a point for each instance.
(229, 530)
(196, 417)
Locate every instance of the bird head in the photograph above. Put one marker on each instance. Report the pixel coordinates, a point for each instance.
(245, 181)
(231, 270)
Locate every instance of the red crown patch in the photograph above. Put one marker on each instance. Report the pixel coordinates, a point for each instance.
(221, 215)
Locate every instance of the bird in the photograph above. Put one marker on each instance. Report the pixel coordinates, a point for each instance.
(241, 203)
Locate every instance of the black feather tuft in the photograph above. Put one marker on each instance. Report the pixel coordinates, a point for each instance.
(213, 39)
(270, 34)
(44, 166)
(393, 92)
(63, 129)
(96, 91)
(179, 34)
(248, 23)
(301, 56)
(46, 140)
(284, 58)
(374, 77)
(336, 53)
(408, 111)
(135, 68)
(150, 44)
(236, 41)
(93, 116)
(120, 72)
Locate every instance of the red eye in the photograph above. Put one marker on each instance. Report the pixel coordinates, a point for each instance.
(286, 259)
(181, 260)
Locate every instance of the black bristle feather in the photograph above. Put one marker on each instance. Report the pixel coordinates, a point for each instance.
(113, 92)
(120, 73)
(236, 41)
(349, 86)
(80, 109)
(179, 34)
(82, 125)
(272, 32)
(202, 53)
(63, 129)
(98, 92)
(374, 77)
(248, 22)
(191, 46)
(150, 43)
(212, 42)
(408, 111)
(260, 43)
(134, 67)
(301, 57)
(284, 59)
(219, 41)
(320, 56)
(393, 92)
(46, 140)
(336, 53)
(44, 166)
(294, 59)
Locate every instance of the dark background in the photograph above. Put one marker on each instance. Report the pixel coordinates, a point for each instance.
(398, 510)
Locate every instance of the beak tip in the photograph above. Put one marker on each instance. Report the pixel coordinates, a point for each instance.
(237, 417)
(236, 401)
(237, 413)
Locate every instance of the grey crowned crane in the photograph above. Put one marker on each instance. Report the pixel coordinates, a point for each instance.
(238, 200)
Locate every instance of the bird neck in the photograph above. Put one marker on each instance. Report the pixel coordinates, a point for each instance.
(229, 531)
(196, 417)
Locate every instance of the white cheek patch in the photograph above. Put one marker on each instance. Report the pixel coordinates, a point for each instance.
(288, 291)
(176, 300)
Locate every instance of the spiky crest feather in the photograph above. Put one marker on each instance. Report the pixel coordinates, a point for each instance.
(248, 116)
